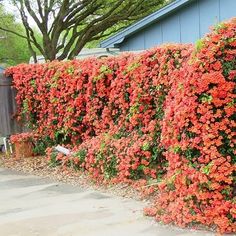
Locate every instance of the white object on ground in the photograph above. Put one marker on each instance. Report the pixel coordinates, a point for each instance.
(6, 144)
(62, 150)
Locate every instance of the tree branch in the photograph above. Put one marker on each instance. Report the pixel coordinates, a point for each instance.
(29, 31)
(13, 32)
(76, 22)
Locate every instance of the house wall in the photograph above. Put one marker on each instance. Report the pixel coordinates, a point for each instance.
(185, 25)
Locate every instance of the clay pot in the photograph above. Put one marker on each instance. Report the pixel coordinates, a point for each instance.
(23, 149)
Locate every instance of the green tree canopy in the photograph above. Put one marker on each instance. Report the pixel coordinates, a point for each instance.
(13, 50)
(67, 26)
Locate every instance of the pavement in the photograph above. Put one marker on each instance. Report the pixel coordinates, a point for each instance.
(31, 205)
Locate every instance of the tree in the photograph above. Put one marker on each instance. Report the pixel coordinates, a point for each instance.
(67, 25)
(13, 50)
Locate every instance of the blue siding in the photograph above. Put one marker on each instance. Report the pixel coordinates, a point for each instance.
(137, 42)
(209, 15)
(171, 29)
(189, 23)
(124, 47)
(134, 43)
(185, 25)
(227, 9)
(153, 36)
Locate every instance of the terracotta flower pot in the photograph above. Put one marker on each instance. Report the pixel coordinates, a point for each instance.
(23, 149)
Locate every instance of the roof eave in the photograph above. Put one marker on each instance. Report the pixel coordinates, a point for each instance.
(119, 37)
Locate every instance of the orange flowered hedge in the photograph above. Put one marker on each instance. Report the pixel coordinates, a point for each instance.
(199, 136)
(166, 115)
(109, 109)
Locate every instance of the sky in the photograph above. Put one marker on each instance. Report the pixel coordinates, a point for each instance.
(9, 7)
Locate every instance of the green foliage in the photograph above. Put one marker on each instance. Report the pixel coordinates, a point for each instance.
(62, 136)
(81, 154)
(220, 26)
(199, 45)
(228, 66)
(75, 26)
(191, 153)
(207, 168)
(13, 49)
(226, 148)
(40, 145)
(146, 146)
(53, 162)
(110, 168)
(205, 98)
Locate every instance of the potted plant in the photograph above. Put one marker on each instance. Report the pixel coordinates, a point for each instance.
(23, 144)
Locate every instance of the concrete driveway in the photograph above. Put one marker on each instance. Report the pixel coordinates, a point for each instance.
(31, 205)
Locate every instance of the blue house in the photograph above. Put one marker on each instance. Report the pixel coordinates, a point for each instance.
(182, 21)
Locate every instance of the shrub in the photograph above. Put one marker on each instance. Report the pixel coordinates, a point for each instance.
(112, 108)
(199, 134)
(167, 114)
